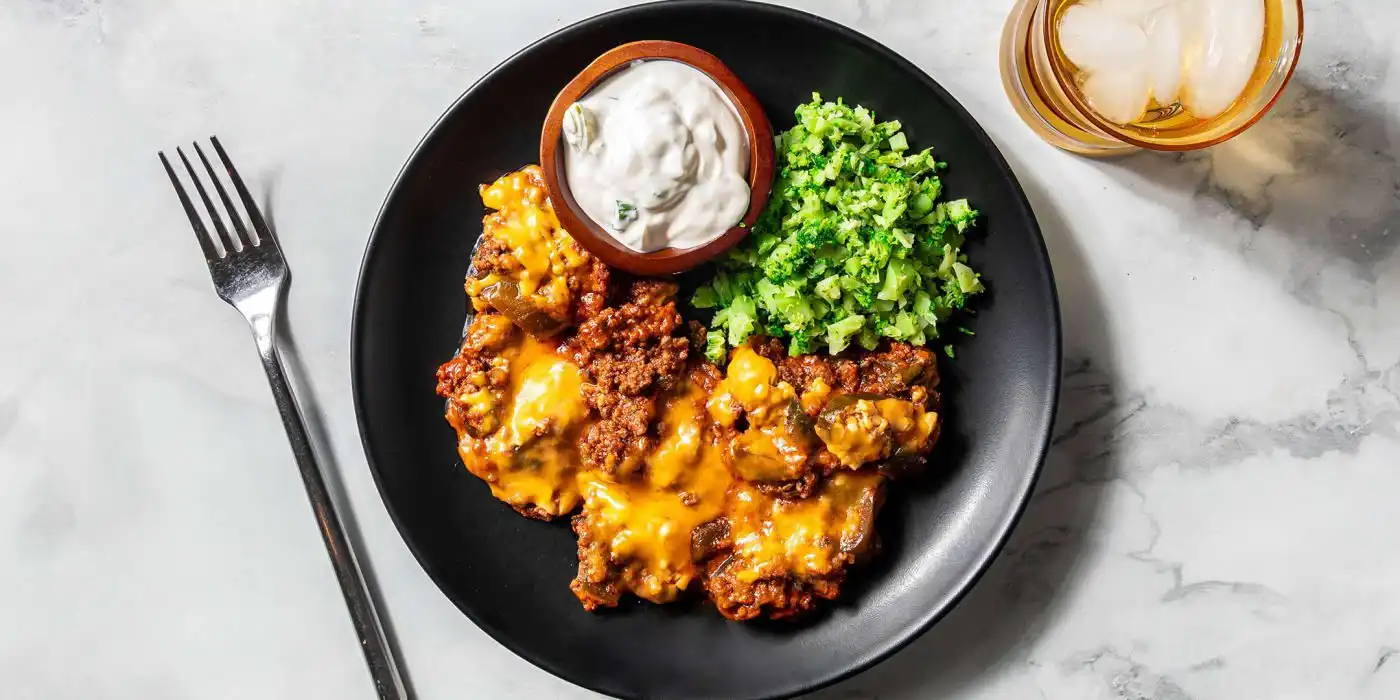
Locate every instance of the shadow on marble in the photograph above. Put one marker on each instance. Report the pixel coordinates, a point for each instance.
(1026, 586)
(1319, 170)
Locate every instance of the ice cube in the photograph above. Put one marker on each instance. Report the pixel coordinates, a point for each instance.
(1120, 93)
(1093, 38)
(1135, 11)
(1218, 66)
(1164, 46)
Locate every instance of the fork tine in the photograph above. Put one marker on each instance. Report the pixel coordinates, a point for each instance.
(224, 237)
(205, 243)
(264, 233)
(233, 215)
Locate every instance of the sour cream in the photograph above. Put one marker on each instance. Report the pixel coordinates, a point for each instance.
(658, 156)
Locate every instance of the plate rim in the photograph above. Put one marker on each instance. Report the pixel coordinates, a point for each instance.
(1043, 423)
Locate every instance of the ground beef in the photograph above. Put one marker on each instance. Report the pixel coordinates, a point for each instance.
(485, 337)
(599, 581)
(892, 370)
(630, 352)
(744, 585)
(805, 484)
(703, 374)
(696, 332)
(477, 367)
(895, 369)
(643, 318)
(777, 597)
(492, 256)
(588, 283)
(621, 437)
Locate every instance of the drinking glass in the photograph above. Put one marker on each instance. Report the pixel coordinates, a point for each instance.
(1043, 85)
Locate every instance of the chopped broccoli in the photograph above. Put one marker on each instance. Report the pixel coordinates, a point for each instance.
(716, 350)
(854, 246)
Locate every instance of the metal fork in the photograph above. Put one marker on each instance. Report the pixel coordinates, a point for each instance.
(250, 274)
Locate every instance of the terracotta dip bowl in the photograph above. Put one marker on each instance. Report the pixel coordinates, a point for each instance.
(596, 238)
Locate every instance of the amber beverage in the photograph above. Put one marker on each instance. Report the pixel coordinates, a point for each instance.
(1104, 77)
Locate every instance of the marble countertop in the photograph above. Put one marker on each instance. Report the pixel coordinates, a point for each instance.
(1216, 519)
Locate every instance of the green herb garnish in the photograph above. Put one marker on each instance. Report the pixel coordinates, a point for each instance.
(624, 214)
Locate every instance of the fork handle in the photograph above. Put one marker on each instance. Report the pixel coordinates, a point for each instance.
(378, 654)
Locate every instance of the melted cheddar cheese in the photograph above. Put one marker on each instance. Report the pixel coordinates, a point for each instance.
(648, 523)
(807, 538)
(683, 457)
(751, 383)
(740, 481)
(641, 526)
(541, 252)
(873, 429)
(530, 460)
(778, 443)
(816, 395)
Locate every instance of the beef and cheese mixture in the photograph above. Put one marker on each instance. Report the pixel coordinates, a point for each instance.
(580, 390)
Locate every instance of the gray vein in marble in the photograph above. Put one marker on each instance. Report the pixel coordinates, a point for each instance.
(1385, 655)
(1229, 588)
(1104, 426)
(1179, 589)
(864, 11)
(1211, 664)
(1125, 678)
(1160, 434)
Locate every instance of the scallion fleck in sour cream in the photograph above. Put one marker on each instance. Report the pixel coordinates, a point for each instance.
(658, 156)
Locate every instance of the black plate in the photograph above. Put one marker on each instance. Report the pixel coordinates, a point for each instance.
(510, 575)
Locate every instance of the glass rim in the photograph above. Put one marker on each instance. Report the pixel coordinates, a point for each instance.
(1071, 91)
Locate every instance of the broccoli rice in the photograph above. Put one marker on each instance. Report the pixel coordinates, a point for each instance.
(854, 246)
